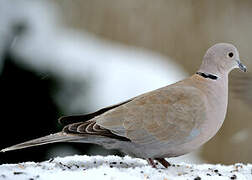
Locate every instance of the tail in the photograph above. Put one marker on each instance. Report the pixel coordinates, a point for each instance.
(52, 138)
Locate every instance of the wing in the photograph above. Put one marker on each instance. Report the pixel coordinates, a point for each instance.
(84, 125)
(171, 114)
(65, 120)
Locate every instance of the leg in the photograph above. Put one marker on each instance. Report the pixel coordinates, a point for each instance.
(163, 162)
(151, 162)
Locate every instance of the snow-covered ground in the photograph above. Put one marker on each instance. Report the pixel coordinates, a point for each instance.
(114, 167)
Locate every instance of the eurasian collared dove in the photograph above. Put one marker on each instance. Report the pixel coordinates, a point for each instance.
(167, 122)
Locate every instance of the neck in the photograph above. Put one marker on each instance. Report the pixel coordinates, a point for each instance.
(207, 75)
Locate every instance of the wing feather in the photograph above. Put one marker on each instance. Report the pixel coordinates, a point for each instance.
(91, 128)
(65, 120)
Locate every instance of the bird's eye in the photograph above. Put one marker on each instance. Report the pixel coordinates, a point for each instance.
(230, 55)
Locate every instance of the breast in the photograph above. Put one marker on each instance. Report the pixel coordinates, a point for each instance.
(217, 96)
(216, 93)
(217, 99)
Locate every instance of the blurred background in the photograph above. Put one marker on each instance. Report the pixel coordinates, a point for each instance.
(64, 57)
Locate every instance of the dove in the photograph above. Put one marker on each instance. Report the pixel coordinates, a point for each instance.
(167, 122)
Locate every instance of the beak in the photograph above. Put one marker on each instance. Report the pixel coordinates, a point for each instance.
(241, 66)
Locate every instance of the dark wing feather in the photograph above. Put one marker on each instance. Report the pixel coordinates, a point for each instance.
(91, 128)
(65, 120)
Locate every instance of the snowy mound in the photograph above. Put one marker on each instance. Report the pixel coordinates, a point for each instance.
(114, 167)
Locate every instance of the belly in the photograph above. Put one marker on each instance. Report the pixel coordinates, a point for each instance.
(196, 139)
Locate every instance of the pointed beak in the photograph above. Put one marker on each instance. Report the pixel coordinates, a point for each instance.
(241, 66)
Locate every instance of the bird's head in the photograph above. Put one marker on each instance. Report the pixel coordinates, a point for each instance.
(220, 59)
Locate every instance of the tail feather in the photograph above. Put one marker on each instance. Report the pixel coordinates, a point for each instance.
(52, 138)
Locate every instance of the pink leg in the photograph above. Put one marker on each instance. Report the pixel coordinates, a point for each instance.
(163, 162)
(151, 162)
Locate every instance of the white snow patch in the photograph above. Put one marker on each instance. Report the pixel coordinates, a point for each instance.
(114, 167)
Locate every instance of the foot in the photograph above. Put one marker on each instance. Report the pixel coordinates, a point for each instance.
(160, 160)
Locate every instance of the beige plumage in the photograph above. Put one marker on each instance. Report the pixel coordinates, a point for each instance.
(168, 122)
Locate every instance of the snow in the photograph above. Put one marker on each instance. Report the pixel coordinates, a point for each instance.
(115, 167)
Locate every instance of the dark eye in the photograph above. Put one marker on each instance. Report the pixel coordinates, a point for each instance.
(230, 54)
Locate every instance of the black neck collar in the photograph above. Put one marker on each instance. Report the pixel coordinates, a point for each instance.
(206, 75)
